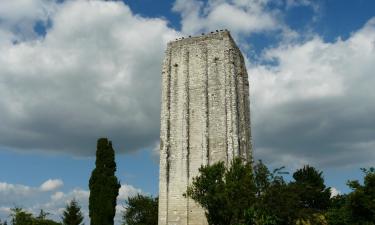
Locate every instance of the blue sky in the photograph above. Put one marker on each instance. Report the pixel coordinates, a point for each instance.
(74, 71)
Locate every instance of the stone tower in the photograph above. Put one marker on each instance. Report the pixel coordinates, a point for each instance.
(205, 118)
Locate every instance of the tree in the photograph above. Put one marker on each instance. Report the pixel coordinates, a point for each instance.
(361, 202)
(72, 214)
(104, 186)
(309, 184)
(313, 195)
(20, 217)
(338, 212)
(141, 210)
(276, 202)
(225, 194)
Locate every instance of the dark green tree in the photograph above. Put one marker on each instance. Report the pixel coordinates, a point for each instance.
(279, 201)
(225, 194)
(276, 202)
(104, 186)
(309, 184)
(338, 212)
(72, 214)
(361, 202)
(141, 210)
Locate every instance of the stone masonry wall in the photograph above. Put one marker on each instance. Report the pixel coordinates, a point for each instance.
(205, 118)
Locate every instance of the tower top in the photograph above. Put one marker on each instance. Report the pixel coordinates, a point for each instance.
(214, 35)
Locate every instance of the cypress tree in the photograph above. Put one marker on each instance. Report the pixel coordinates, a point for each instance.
(72, 214)
(104, 186)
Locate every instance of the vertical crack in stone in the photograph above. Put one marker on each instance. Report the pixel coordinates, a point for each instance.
(230, 106)
(165, 137)
(226, 93)
(234, 122)
(205, 121)
(239, 122)
(186, 56)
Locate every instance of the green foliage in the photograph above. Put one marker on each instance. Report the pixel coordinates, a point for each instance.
(313, 219)
(258, 216)
(44, 222)
(313, 194)
(281, 201)
(72, 214)
(141, 210)
(256, 196)
(338, 213)
(361, 202)
(224, 194)
(21, 217)
(104, 186)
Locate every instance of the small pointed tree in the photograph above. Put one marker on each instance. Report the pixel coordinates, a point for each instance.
(104, 186)
(72, 214)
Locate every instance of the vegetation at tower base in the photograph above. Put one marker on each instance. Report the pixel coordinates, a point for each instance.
(72, 214)
(241, 195)
(141, 210)
(104, 186)
(225, 194)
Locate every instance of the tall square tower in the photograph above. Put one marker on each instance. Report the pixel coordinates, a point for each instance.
(205, 118)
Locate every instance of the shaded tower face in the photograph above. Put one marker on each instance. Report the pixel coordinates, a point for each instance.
(205, 118)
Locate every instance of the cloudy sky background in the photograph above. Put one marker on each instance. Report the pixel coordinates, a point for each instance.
(73, 71)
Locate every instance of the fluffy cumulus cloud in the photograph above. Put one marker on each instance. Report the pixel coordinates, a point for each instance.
(316, 104)
(95, 73)
(240, 16)
(53, 201)
(19, 18)
(51, 184)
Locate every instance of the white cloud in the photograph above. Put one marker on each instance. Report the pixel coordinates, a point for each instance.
(127, 191)
(57, 196)
(10, 191)
(155, 152)
(20, 16)
(95, 73)
(315, 105)
(51, 184)
(334, 192)
(240, 16)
